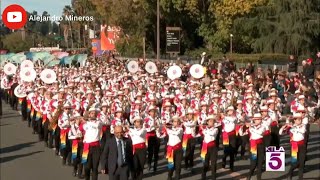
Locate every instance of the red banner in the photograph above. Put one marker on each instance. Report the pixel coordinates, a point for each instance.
(109, 35)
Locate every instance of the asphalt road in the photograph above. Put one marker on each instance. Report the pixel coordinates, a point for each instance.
(22, 157)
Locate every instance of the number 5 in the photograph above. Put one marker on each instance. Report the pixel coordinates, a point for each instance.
(275, 158)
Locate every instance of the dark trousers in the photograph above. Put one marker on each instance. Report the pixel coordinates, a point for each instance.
(66, 152)
(1, 106)
(210, 159)
(92, 163)
(121, 173)
(275, 140)
(29, 118)
(14, 102)
(77, 165)
(229, 151)
(153, 151)
(56, 136)
(244, 144)
(177, 158)
(189, 156)
(24, 109)
(47, 134)
(258, 162)
(238, 144)
(267, 140)
(300, 163)
(139, 160)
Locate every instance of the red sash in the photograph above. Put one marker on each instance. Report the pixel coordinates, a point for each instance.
(138, 146)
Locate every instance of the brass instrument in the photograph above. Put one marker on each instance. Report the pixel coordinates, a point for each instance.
(55, 117)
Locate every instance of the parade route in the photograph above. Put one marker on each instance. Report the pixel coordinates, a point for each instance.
(22, 157)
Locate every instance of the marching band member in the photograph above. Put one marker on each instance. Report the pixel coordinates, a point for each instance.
(45, 122)
(103, 117)
(266, 122)
(138, 138)
(64, 125)
(256, 132)
(298, 149)
(151, 124)
(174, 148)
(75, 138)
(273, 114)
(229, 136)
(189, 142)
(209, 150)
(91, 144)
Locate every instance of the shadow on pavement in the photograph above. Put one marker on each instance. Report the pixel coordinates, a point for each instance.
(16, 147)
(10, 158)
(4, 124)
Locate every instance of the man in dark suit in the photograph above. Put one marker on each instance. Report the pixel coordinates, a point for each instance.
(116, 158)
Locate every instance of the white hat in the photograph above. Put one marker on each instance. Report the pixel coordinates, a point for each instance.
(190, 111)
(297, 92)
(167, 104)
(151, 108)
(230, 108)
(118, 110)
(216, 96)
(211, 116)
(67, 105)
(104, 104)
(223, 91)
(270, 101)
(92, 109)
(239, 102)
(257, 116)
(137, 102)
(249, 97)
(301, 97)
(297, 115)
(263, 108)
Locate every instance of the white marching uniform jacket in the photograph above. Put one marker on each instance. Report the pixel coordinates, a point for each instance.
(209, 134)
(256, 132)
(137, 135)
(92, 131)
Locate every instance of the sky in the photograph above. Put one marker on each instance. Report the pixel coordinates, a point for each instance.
(53, 7)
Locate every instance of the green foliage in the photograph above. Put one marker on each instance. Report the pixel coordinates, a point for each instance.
(283, 26)
(13, 42)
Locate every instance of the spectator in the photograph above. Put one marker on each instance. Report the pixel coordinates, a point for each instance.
(292, 65)
(309, 70)
(317, 65)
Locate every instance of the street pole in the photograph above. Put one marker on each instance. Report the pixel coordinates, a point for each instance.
(158, 30)
(144, 48)
(231, 35)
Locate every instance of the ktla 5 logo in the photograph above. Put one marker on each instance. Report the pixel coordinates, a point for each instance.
(275, 158)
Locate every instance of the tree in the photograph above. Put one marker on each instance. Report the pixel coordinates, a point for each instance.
(13, 42)
(283, 26)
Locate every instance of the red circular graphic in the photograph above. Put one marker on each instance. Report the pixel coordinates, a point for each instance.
(9, 69)
(48, 76)
(14, 16)
(197, 70)
(27, 73)
(174, 72)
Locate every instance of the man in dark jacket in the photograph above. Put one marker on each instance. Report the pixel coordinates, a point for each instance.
(309, 70)
(292, 65)
(117, 157)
